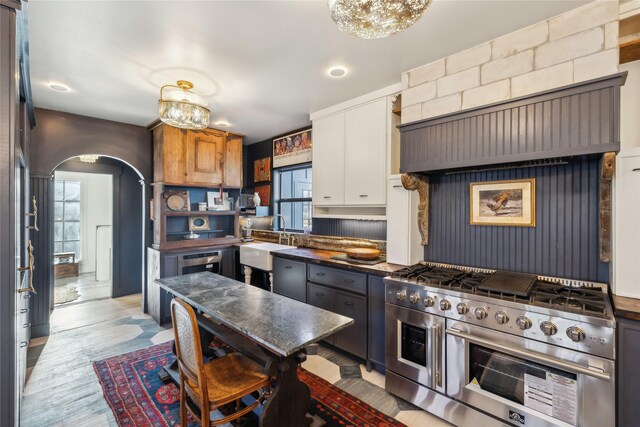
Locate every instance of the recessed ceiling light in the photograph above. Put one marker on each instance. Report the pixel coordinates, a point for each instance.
(337, 72)
(59, 87)
(222, 124)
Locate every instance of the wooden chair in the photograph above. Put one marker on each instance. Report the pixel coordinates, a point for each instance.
(207, 387)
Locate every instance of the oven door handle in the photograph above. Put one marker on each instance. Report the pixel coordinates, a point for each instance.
(436, 357)
(541, 358)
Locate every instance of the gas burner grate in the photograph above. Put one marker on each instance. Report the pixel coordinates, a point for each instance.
(579, 299)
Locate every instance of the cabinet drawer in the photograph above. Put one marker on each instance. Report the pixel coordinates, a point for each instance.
(321, 297)
(290, 278)
(354, 282)
(353, 338)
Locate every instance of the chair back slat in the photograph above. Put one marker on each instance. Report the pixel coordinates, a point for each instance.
(187, 336)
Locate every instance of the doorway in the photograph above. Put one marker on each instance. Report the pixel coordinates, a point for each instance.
(83, 227)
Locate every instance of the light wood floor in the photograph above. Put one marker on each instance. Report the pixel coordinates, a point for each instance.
(63, 389)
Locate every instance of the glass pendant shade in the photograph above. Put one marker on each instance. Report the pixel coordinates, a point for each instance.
(89, 158)
(181, 108)
(376, 19)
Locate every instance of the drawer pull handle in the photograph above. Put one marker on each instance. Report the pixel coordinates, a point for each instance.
(348, 281)
(635, 169)
(364, 195)
(24, 310)
(320, 274)
(27, 325)
(319, 294)
(288, 267)
(23, 344)
(348, 303)
(397, 186)
(327, 197)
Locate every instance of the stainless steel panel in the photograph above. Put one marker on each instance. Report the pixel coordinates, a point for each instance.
(433, 374)
(596, 396)
(439, 405)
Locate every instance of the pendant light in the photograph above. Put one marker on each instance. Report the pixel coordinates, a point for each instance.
(182, 108)
(376, 19)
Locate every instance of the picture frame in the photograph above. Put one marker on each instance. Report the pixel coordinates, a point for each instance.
(292, 149)
(503, 203)
(262, 170)
(177, 200)
(199, 223)
(264, 191)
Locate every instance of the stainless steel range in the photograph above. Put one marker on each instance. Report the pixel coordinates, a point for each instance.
(479, 347)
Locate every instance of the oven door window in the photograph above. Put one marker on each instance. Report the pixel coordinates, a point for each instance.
(539, 387)
(414, 344)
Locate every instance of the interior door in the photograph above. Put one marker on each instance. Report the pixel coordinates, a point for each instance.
(205, 157)
(104, 243)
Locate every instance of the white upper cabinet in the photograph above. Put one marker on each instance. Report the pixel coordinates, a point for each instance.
(328, 160)
(365, 169)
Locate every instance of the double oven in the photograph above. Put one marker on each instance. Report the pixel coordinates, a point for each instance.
(441, 356)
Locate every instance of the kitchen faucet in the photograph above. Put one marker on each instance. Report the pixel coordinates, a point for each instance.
(284, 228)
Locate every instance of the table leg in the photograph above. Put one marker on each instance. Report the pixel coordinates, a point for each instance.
(271, 281)
(247, 274)
(291, 398)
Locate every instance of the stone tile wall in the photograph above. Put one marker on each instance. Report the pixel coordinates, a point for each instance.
(576, 46)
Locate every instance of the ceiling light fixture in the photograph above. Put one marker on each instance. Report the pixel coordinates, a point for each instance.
(89, 158)
(222, 124)
(337, 72)
(58, 87)
(182, 108)
(376, 19)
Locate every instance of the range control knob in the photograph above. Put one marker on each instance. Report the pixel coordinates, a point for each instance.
(462, 308)
(414, 298)
(480, 312)
(523, 322)
(401, 295)
(576, 334)
(429, 302)
(501, 318)
(445, 305)
(548, 328)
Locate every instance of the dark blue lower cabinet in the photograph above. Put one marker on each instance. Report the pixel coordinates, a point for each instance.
(290, 278)
(321, 297)
(376, 333)
(628, 386)
(353, 338)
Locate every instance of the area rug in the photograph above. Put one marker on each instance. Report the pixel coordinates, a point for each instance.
(64, 294)
(138, 398)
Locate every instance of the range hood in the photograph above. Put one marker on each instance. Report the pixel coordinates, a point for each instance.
(580, 119)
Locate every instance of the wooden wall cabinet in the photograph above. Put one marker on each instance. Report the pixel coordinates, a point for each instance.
(205, 158)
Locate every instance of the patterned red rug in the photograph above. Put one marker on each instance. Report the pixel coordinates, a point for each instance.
(138, 398)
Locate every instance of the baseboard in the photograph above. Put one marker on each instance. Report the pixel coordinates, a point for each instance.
(42, 330)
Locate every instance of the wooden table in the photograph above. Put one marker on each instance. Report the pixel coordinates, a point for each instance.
(271, 329)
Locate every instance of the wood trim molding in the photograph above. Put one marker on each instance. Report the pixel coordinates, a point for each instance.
(413, 182)
(607, 171)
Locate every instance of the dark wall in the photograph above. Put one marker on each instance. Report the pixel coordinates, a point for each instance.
(564, 242)
(375, 230)
(256, 151)
(60, 136)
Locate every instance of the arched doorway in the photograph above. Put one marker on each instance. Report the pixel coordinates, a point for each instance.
(78, 237)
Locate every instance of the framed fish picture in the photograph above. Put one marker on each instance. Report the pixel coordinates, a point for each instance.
(506, 203)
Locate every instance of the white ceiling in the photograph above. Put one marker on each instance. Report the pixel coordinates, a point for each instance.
(260, 64)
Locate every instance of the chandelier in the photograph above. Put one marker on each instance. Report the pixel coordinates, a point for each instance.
(376, 19)
(181, 108)
(88, 158)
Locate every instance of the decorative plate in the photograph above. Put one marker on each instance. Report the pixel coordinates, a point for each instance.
(176, 203)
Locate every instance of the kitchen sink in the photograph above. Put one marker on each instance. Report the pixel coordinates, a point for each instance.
(258, 255)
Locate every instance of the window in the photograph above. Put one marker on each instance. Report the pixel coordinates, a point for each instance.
(293, 197)
(66, 230)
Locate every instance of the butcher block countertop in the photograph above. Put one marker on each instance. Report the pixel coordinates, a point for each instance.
(626, 307)
(323, 257)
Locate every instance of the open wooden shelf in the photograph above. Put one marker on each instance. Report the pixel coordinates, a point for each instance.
(188, 244)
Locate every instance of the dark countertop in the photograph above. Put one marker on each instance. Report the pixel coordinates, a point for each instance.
(279, 324)
(626, 307)
(323, 257)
